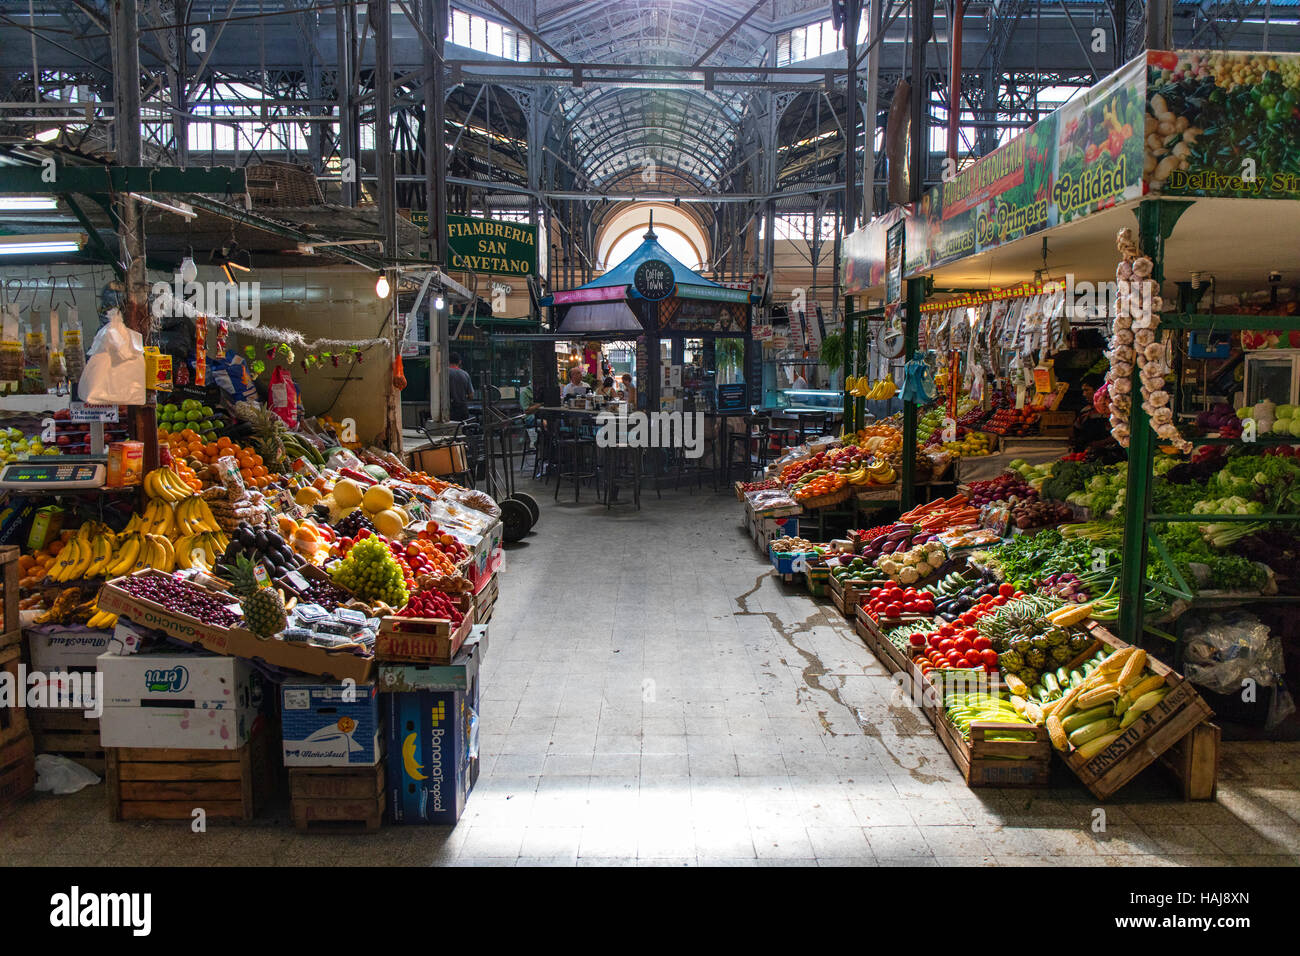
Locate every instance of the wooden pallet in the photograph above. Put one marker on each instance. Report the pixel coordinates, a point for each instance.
(153, 783)
(1176, 716)
(997, 763)
(1194, 762)
(340, 799)
(17, 769)
(71, 734)
(13, 720)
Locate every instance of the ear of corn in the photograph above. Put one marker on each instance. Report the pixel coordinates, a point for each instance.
(1085, 717)
(1098, 744)
(1054, 730)
(1144, 686)
(1115, 662)
(1097, 696)
(1133, 667)
(1018, 703)
(1068, 702)
(1093, 730)
(1033, 712)
(1016, 685)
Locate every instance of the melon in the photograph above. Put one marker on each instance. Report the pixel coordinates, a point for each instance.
(308, 497)
(1285, 411)
(347, 493)
(388, 523)
(375, 472)
(376, 499)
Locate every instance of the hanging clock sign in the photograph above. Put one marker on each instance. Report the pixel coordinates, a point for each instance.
(654, 280)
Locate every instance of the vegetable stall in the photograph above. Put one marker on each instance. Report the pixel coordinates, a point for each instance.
(1104, 602)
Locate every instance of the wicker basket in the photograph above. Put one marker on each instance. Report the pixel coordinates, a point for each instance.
(283, 185)
(825, 501)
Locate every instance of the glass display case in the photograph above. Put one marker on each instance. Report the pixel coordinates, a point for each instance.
(1273, 374)
(809, 400)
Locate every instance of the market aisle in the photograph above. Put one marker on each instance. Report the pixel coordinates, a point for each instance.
(653, 696)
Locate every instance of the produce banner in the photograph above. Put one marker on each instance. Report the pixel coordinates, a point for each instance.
(698, 315)
(862, 255)
(1085, 157)
(1223, 124)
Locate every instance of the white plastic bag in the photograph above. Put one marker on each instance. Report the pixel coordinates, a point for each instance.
(60, 775)
(114, 373)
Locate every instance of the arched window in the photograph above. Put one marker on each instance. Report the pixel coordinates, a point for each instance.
(678, 232)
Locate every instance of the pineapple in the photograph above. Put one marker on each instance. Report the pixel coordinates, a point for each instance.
(263, 607)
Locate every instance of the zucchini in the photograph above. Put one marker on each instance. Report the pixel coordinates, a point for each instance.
(1076, 678)
(1093, 730)
(1050, 684)
(1062, 677)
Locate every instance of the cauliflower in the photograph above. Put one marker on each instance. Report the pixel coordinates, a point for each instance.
(909, 575)
(910, 558)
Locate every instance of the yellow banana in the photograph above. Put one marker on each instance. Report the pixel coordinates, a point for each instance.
(102, 548)
(125, 558)
(177, 488)
(209, 520)
(169, 553)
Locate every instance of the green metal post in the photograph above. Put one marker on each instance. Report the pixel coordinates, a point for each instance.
(849, 362)
(911, 336)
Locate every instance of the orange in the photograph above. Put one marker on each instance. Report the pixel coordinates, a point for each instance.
(246, 475)
(259, 470)
(257, 459)
(189, 433)
(54, 547)
(224, 441)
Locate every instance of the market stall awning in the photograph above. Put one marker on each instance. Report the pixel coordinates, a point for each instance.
(620, 281)
(600, 317)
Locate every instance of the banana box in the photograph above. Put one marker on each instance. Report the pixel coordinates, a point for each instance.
(432, 743)
(329, 724)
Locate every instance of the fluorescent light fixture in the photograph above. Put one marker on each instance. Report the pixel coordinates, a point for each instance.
(179, 208)
(43, 244)
(27, 203)
(47, 135)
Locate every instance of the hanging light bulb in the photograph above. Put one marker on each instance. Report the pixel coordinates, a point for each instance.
(189, 271)
(439, 303)
(381, 287)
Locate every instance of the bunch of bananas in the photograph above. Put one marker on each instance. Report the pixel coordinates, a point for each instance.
(200, 550)
(101, 619)
(86, 554)
(165, 485)
(876, 473)
(187, 517)
(862, 387)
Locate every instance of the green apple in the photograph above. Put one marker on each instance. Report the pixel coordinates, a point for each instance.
(1244, 412)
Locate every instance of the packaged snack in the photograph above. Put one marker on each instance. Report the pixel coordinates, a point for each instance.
(125, 464)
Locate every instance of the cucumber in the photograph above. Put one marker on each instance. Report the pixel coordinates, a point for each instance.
(1093, 730)
(1038, 691)
(1062, 677)
(1050, 683)
(1076, 678)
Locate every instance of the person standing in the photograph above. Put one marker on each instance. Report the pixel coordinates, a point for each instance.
(460, 387)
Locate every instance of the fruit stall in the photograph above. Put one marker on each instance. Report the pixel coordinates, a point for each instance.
(276, 608)
(1128, 603)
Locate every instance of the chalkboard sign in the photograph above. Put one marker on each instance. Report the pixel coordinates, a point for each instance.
(654, 280)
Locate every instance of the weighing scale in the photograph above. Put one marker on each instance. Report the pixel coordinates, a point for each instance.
(55, 474)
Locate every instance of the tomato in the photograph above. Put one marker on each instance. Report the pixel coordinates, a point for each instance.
(946, 646)
(916, 640)
(985, 598)
(1018, 595)
(963, 644)
(1163, 60)
(875, 592)
(964, 618)
(990, 657)
(970, 634)
(981, 643)
(892, 610)
(999, 601)
(972, 660)
(1006, 590)
(947, 630)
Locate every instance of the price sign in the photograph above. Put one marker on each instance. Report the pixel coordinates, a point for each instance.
(81, 412)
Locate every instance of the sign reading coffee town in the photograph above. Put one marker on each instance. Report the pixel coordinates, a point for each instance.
(654, 280)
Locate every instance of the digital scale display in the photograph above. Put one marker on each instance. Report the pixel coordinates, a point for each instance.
(63, 473)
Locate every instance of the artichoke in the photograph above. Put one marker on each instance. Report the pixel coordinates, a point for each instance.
(1036, 658)
(1011, 661)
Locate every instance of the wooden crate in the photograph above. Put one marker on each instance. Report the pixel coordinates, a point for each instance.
(892, 657)
(13, 720)
(9, 580)
(337, 798)
(1160, 728)
(153, 783)
(1194, 762)
(17, 769)
(71, 734)
(997, 763)
(845, 595)
(485, 601)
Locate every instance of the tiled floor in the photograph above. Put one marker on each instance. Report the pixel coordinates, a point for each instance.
(652, 696)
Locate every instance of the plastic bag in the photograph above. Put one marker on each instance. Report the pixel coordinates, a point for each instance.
(114, 374)
(62, 776)
(282, 398)
(1226, 649)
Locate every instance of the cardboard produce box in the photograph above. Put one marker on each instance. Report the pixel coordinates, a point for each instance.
(398, 678)
(329, 725)
(181, 728)
(180, 678)
(432, 742)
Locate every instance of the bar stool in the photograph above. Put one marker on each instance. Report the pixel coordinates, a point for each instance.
(622, 463)
(575, 458)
